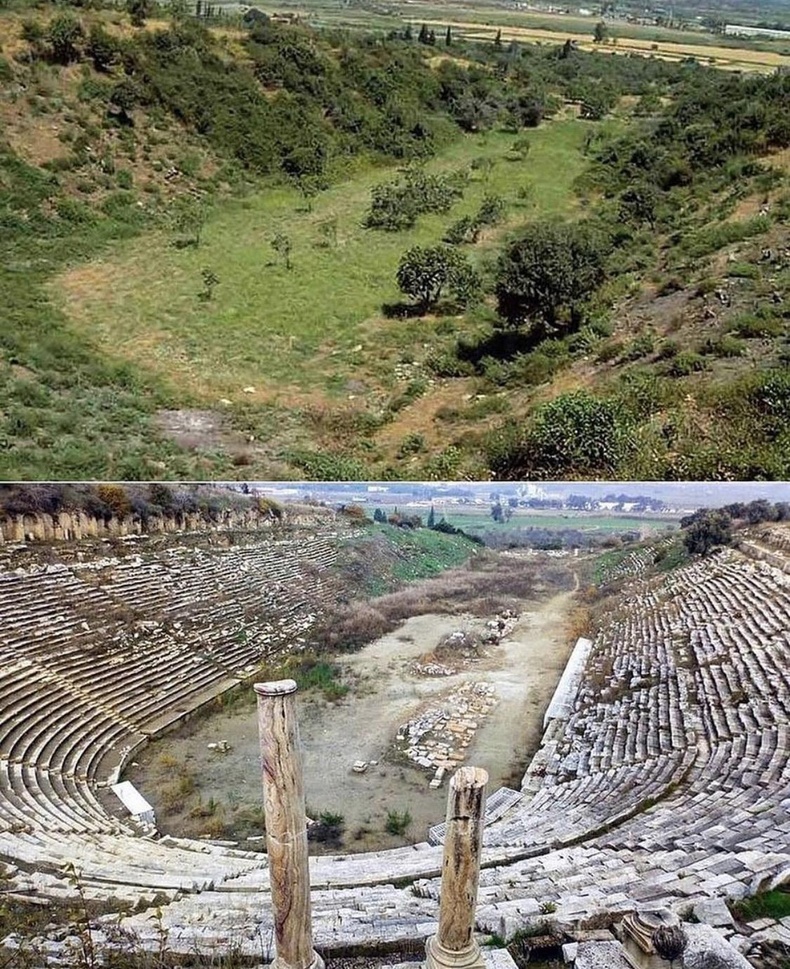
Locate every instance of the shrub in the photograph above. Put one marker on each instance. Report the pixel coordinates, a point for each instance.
(685, 363)
(397, 822)
(724, 346)
(492, 210)
(396, 205)
(411, 444)
(751, 325)
(64, 34)
(116, 499)
(574, 434)
(466, 229)
(641, 346)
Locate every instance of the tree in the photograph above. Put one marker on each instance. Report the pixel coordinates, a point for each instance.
(448, 37)
(600, 33)
(638, 204)
(380, 517)
(281, 244)
(210, 282)
(309, 186)
(431, 518)
(139, 11)
(189, 219)
(547, 274)
(498, 39)
(422, 37)
(159, 494)
(709, 529)
(123, 98)
(64, 34)
(115, 498)
(424, 272)
(407, 33)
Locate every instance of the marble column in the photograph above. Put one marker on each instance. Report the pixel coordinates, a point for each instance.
(286, 826)
(454, 945)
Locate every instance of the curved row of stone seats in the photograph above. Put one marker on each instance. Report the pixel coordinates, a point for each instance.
(721, 826)
(112, 862)
(567, 812)
(87, 675)
(636, 563)
(689, 811)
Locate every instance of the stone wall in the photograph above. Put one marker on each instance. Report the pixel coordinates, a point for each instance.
(75, 525)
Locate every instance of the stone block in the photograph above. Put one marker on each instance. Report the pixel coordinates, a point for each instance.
(714, 911)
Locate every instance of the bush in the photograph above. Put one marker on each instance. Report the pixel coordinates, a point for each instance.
(116, 499)
(466, 229)
(574, 434)
(492, 210)
(64, 34)
(752, 325)
(724, 346)
(397, 822)
(396, 205)
(686, 362)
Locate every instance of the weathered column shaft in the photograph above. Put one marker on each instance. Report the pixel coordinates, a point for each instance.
(286, 826)
(454, 943)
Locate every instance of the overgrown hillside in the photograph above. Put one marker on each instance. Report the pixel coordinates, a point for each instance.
(262, 247)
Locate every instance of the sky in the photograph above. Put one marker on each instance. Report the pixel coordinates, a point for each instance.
(675, 494)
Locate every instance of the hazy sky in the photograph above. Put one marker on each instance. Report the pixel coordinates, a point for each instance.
(676, 494)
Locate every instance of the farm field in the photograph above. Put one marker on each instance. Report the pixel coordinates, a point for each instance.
(728, 58)
(192, 290)
(477, 519)
(481, 22)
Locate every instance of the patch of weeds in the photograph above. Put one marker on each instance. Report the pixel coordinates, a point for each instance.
(685, 363)
(723, 346)
(411, 444)
(773, 905)
(321, 466)
(759, 324)
(397, 822)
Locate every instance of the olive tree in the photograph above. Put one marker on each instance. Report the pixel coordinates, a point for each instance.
(548, 273)
(425, 272)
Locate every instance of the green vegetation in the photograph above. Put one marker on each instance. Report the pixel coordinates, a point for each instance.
(426, 552)
(770, 905)
(312, 673)
(397, 822)
(248, 319)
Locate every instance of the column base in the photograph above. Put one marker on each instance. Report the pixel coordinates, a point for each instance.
(437, 957)
(317, 963)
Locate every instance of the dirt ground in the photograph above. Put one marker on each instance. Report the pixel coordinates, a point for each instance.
(524, 669)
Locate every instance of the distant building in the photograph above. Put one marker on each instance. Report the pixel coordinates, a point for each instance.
(740, 30)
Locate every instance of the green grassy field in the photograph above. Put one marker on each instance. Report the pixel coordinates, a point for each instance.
(280, 357)
(475, 520)
(277, 329)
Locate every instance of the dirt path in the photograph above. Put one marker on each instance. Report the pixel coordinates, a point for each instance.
(524, 669)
